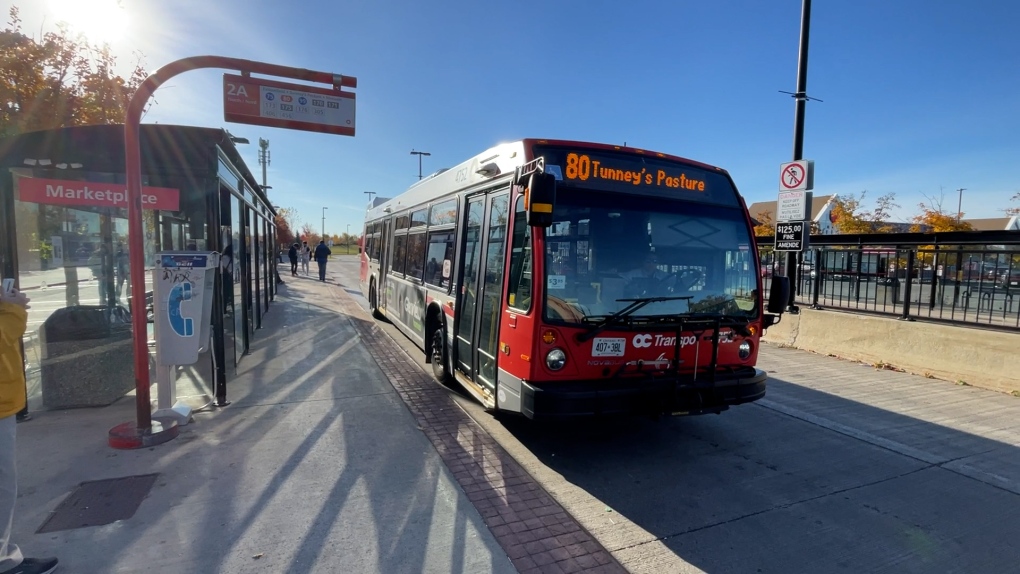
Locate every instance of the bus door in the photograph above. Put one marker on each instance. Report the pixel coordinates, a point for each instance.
(477, 327)
(384, 266)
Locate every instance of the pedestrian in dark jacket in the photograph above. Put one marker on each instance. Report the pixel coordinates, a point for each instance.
(293, 254)
(322, 253)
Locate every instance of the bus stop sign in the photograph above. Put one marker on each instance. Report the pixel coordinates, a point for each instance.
(276, 104)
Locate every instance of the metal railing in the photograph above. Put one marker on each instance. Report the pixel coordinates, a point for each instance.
(963, 278)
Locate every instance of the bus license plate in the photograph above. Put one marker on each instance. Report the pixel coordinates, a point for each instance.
(608, 347)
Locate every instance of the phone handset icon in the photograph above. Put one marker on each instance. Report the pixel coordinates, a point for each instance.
(183, 326)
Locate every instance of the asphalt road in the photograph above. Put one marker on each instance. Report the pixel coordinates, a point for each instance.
(841, 468)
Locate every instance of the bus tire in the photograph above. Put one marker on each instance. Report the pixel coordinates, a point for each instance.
(373, 301)
(438, 354)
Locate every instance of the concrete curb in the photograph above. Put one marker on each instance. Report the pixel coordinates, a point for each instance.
(979, 357)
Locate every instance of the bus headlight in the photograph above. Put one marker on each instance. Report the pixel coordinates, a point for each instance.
(744, 350)
(556, 359)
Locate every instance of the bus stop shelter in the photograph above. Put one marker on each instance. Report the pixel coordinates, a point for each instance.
(64, 237)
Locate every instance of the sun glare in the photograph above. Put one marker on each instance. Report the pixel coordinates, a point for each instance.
(100, 21)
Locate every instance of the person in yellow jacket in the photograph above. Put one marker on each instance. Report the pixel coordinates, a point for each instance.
(13, 319)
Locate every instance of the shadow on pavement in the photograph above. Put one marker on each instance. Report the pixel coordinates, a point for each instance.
(315, 466)
(769, 487)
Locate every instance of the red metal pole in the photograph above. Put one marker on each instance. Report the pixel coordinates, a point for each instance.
(136, 254)
(133, 176)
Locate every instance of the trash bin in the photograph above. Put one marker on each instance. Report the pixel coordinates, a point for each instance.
(86, 356)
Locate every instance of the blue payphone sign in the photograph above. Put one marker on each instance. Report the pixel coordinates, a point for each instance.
(183, 295)
(183, 326)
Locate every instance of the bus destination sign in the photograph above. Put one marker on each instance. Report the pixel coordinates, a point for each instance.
(582, 167)
(631, 172)
(264, 102)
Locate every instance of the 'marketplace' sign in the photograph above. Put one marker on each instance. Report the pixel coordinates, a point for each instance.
(92, 194)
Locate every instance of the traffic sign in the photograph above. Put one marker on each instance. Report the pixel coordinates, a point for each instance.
(793, 206)
(264, 102)
(797, 175)
(792, 236)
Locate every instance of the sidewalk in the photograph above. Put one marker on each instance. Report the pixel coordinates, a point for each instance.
(315, 466)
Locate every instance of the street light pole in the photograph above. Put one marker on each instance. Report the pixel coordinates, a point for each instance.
(419, 154)
(370, 194)
(959, 204)
(800, 97)
(324, 224)
(348, 238)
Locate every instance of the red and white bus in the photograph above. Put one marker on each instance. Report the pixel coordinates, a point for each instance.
(560, 278)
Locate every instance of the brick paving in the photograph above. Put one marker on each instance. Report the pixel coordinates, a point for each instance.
(536, 532)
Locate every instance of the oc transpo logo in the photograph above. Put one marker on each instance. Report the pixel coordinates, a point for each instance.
(645, 340)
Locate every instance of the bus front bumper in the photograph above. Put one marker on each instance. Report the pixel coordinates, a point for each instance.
(630, 396)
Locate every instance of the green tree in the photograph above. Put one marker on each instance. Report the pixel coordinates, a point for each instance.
(309, 234)
(851, 217)
(284, 235)
(934, 218)
(286, 226)
(59, 81)
(766, 225)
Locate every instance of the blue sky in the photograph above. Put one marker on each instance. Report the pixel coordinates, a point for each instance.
(920, 98)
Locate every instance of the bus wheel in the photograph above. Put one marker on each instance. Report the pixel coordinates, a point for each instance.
(439, 354)
(373, 302)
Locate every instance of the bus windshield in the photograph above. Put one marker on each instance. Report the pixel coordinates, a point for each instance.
(604, 250)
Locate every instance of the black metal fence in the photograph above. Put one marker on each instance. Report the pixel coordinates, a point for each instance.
(965, 278)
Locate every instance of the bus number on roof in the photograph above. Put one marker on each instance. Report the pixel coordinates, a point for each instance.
(581, 167)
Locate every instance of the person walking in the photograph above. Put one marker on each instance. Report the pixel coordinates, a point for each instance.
(306, 256)
(13, 320)
(121, 268)
(102, 266)
(293, 255)
(322, 253)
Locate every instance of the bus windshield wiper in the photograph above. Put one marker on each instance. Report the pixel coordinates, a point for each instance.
(634, 305)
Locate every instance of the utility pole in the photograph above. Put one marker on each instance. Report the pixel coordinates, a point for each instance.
(959, 204)
(800, 97)
(264, 159)
(419, 154)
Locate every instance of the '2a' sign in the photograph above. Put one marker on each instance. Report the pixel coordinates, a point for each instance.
(792, 236)
(263, 102)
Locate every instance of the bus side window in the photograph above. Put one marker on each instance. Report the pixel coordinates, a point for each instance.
(415, 256)
(440, 248)
(399, 250)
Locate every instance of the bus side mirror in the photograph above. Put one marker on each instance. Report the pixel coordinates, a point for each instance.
(779, 294)
(541, 199)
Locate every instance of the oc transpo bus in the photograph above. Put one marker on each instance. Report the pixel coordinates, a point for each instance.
(560, 278)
